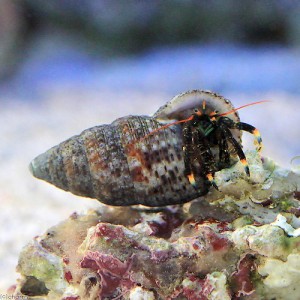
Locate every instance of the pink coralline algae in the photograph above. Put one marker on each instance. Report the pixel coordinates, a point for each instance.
(112, 271)
(200, 289)
(225, 246)
(241, 280)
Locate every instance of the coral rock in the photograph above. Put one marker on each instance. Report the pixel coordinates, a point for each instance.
(241, 242)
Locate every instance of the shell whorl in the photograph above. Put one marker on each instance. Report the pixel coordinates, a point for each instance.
(117, 165)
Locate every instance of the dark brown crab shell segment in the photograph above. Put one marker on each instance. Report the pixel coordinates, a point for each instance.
(118, 166)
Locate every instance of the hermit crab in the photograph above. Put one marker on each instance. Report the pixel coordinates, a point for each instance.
(168, 158)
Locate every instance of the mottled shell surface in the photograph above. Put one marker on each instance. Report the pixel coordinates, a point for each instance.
(121, 164)
(112, 164)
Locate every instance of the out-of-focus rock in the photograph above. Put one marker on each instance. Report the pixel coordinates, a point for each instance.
(130, 26)
(241, 242)
(11, 26)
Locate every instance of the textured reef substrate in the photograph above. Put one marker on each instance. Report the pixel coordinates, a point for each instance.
(241, 242)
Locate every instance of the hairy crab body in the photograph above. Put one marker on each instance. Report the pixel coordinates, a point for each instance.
(140, 160)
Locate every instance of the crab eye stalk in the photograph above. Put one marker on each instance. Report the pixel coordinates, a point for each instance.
(213, 115)
(197, 112)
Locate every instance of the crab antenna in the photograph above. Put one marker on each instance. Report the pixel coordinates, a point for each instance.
(233, 110)
(168, 125)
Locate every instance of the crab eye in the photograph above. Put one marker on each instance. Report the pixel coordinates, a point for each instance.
(196, 110)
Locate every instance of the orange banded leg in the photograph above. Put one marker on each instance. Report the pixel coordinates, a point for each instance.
(246, 167)
(188, 153)
(252, 130)
(192, 180)
(205, 157)
(211, 179)
(238, 149)
(224, 156)
(241, 156)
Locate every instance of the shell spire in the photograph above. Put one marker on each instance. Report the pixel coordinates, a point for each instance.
(38, 169)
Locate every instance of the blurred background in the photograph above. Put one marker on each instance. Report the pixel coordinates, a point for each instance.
(71, 64)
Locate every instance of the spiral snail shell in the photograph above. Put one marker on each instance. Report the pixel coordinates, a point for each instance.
(131, 161)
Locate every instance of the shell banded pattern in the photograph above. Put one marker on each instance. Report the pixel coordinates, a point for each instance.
(110, 163)
(137, 159)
